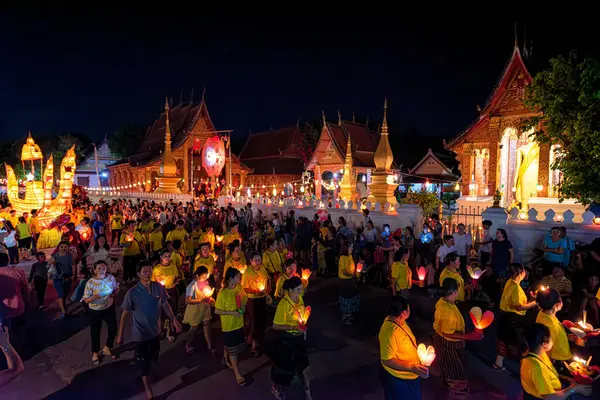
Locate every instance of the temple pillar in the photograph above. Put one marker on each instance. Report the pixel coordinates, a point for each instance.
(186, 168)
(318, 179)
(242, 179)
(544, 170)
(494, 138)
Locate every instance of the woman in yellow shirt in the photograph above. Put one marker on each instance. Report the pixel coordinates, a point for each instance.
(289, 357)
(400, 366)
(236, 259)
(449, 339)
(290, 271)
(513, 307)
(401, 274)
(349, 297)
(272, 259)
(452, 270)
(255, 282)
(116, 226)
(539, 378)
(550, 303)
(168, 275)
(230, 306)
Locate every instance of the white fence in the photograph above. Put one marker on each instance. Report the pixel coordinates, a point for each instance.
(397, 216)
(138, 194)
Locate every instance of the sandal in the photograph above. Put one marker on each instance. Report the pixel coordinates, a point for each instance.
(171, 338)
(278, 393)
(109, 354)
(96, 360)
(497, 368)
(242, 382)
(189, 350)
(213, 352)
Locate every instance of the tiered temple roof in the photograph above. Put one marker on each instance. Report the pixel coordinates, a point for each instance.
(274, 152)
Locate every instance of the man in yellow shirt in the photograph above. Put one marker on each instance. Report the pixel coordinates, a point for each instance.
(35, 229)
(550, 303)
(401, 274)
(132, 242)
(452, 270)
(400, 365)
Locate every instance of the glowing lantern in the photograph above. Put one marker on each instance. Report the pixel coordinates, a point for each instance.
(597, 220)
(85, 235)
(219, 238)
(306, 274)
(213, 156)
(475, 274)
(426, 354)
(421, 273)
(481, 321)
(208, 291)
(162, 283)
(261, 286)
(581, 370)
(303, 316)
(242, 269)
(129, 237)
(216, 257)
(584, 325)
(359, 268)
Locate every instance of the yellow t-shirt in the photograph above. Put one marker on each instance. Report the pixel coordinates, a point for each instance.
(512, 296)
(279, 286)
(286, 312)
(226, 301)
(195, 236)
(166, 275)
(448, 319)
(34, 225)
(561, 350)
(538, 376)
(176, 259)
(598, 294)
(446, 273)
(208, 237)
(208, 262)
(116, 221)
(132, 247)
(178, 234)
(402, 274)
(272, 261)
(398, 342)
(252, 279)
(156, 241)
(346, 264)
(240, 265)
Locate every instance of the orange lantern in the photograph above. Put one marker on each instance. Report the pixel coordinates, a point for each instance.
(421, 273)
(261, 286)
(303, 316)
(481, 321)
(426, 354)
(242, 269)
(162, 282)
(359, 267)
(306, 274)
(208, 291)
(219, 238)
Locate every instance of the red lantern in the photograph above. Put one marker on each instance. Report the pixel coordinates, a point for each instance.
(213, 156)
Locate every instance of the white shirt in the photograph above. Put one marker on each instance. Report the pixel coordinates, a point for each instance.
(443, 251)
(486, 248)
(461, 242)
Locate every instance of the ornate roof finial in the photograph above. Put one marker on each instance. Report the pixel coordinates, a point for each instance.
(349, 150)
(384, 127)
(339, 118)
(353, 117)
(167, 125)
(516, 36)
(203, 93)
(323, 116)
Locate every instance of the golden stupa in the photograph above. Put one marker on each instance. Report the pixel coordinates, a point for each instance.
(38, 193)
(168, 178)
(382, 185)
(348, 182)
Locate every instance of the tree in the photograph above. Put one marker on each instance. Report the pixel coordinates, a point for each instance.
(126, 141)
(568, 98)
(429, 202)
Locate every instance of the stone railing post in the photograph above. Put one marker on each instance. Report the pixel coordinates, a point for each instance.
(497, 215)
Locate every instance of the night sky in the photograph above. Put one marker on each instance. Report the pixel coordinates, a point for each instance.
(95, 74)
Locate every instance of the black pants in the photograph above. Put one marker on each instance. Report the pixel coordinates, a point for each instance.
(129, 266)
(40, 285)
(13, 254)
(146, 352)
(96, 317)
(257, 313)
(485, 258)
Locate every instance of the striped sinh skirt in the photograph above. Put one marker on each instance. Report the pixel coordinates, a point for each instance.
(450, 358)
(289, 358)
(510, 326)
(234, 342)
(349, 298)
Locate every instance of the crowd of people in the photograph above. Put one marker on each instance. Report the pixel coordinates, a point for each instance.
(186, 264)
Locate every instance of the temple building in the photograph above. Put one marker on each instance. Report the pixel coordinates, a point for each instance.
(190, 127)
(329, 158)
(432, 174)
(274, 157)
(88, 174)
(495, 153)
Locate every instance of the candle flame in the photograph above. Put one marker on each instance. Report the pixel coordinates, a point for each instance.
(219, 238)
(261, 286)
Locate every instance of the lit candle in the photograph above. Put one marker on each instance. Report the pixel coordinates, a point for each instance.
(306, 274)
(426, 354)
(242, 269)
(584, 324)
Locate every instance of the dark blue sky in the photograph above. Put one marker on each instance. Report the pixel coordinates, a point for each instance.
(93, 74)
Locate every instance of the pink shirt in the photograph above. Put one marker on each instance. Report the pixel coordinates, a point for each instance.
(13, 292)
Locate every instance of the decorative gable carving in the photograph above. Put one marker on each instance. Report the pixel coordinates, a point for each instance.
(512, 102)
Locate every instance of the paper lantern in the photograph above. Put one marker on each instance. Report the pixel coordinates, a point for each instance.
(208, 291)
(421, 273)
(426, 354)
(219, 238)
(306, 274)
(213, 156)
(481, 321)
(242, 269)
(583, 373)
(261, 286)
(359, 267)
(474, 273)
(303, 315)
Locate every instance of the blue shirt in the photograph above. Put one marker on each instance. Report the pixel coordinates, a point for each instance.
(146, 307)
(570, 246)
(549, 244)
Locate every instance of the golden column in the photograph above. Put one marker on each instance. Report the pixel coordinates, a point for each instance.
(348, 183)
(168, 179)
(382, 185)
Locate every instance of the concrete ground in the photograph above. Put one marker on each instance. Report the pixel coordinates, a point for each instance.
(344, 360)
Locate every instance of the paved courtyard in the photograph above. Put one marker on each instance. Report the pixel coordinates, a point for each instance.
(344, 360)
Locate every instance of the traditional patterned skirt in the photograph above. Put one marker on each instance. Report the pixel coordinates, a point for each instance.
(510, 326)
(450, 358)
(349, 297)
(234, 342)
(289, 358)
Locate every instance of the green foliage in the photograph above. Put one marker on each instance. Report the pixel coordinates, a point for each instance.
(126, 141)
(568, 96)
(429, 202)
(449, 199)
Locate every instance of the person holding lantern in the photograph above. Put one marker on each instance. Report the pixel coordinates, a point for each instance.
(272, 259)
(230, 305)
(449, 338)
(168, 275)
(452, 271)
(237, 259)
(550, 303)
(255, 283)
(290, 271)
(513, 307)
(401, 274)
(132, 243)
(401, 367)
(197, 311)
(289, 355)
(207, 258)
(349, 297)
(539, 378)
